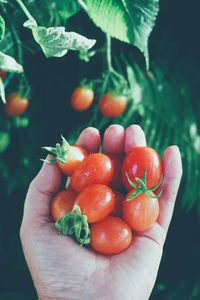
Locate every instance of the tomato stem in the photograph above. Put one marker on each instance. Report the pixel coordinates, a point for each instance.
(25, 10)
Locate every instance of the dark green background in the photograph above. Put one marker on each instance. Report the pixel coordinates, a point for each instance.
(174, 48)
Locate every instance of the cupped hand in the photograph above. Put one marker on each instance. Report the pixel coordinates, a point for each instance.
(60, 268)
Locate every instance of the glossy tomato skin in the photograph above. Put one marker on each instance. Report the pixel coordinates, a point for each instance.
(137, 161)
(96, 202)
(110, 236)
(15, 105)
(140, 213)
(74, 157)
(116, 183)
(82, 98)
(96, 168)
(62, 203)
(112, 105)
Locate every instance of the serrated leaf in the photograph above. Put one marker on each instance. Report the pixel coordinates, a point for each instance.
(2, 91)
(55, 41)
(130, 21)
(9, 64)
(2, 28)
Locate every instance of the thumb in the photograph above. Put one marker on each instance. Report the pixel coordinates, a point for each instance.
(41, 191)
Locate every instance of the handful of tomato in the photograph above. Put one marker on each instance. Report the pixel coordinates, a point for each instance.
(108, 198)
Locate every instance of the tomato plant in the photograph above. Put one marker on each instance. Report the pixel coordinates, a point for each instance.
(137, 162)
(111, 235)
(68, 157)
(96, 202)
(62, 203)
(141, 212)
(15, 105)
(82, 98)
(112, 105)
(96, 168)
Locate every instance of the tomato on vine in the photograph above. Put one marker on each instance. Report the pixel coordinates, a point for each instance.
(82, 98)
(110, 236)
(138, 161)
(63, 203)
(96, 202)
(112, 105)
(96, 168)
(68, 157)
(15, 105)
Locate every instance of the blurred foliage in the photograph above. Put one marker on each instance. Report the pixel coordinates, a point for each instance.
(164, 101)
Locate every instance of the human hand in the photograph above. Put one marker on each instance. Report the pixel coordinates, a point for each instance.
(60, 268)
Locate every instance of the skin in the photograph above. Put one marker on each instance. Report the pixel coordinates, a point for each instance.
(63, 270)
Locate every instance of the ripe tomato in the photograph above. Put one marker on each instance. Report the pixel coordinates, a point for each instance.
(112, 105)
(117, 211)
(116, 182)
(62, 203)
(96, 168)
(111, 235)
(96, 202)
(15, 105)
(139, 160)
(82, 98)
(141, 212)
(73, 158)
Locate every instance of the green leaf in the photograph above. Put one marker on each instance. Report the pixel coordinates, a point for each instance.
(130, 21)
(67, 8)
(4, 141)
(2, 92)
(9, 64)
(55, 41)
(4, 1)
(2, 28)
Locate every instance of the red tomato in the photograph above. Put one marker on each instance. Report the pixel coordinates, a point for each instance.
(82, 98)
(110, 236)
(116, 182)
(141, 212)
(96, 168)
(112, 105)
(96, 202)
(117, 211)
(15, 105)
(73, 158)
(139, 160)
(62, 203)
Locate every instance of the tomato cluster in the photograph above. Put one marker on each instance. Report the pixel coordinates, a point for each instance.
(108, 198)
(111, 104)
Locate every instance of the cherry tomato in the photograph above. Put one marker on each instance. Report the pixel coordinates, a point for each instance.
(73, 158)
(96, 202)
(110, 236)
(112, 105)
(62, 203)
(116, 182)
(139, 160)
(82, 98)
(96, 168)
(15, 105)
(117, 211)
(141, 212)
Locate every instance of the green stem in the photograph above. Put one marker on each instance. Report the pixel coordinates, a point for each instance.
(25, 10)
(83, 5)
(108, 52)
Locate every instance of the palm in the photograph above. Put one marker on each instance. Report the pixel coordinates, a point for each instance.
(82, 273)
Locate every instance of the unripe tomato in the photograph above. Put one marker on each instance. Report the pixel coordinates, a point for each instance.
(112, 105)
(82, 98)
(15, 105)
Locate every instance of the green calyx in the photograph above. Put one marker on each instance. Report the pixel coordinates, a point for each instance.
(75, 224)
(141, 187)
(60, 151)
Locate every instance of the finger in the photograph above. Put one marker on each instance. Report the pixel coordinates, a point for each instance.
(172, 169)
(41, 191)
(134, 137)
(113, 141)
(90, 139)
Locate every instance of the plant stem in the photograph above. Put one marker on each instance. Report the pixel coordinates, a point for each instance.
(83, 5)
(108, 52)
(25, 10)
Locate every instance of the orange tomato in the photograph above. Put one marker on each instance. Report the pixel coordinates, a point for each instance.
(82, 98)
(15, 105)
